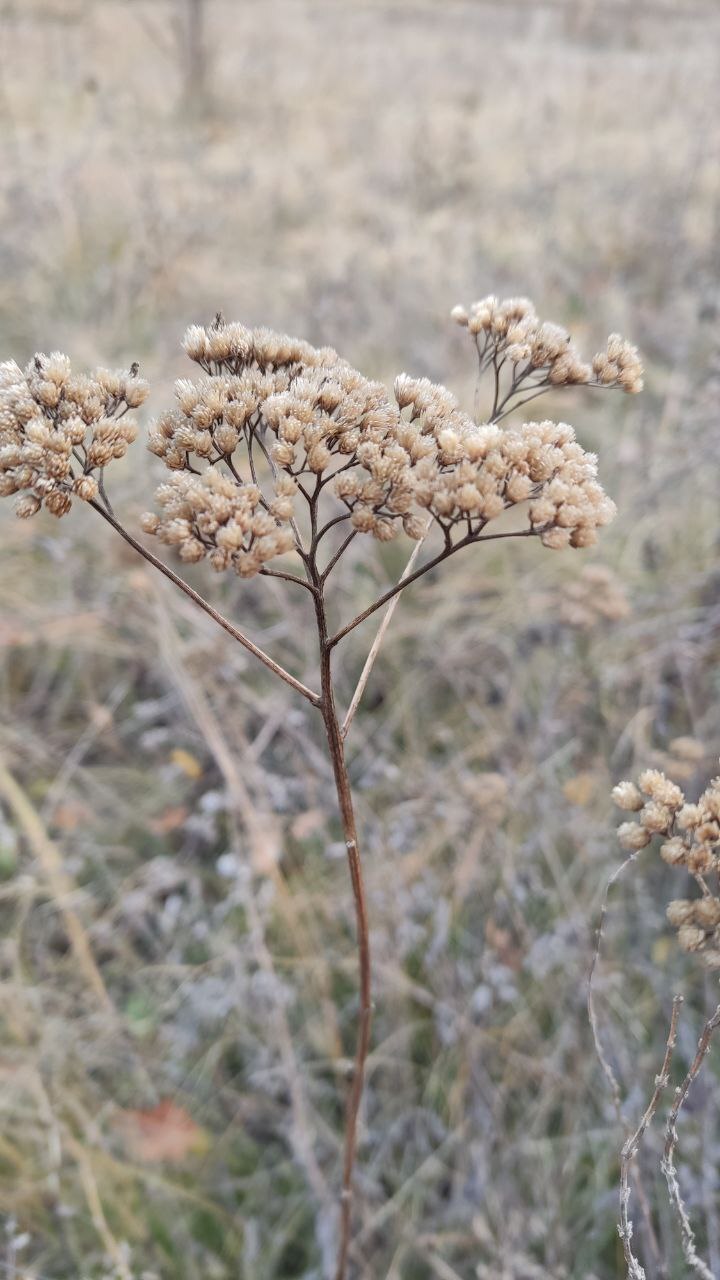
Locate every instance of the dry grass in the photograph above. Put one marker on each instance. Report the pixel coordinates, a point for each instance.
(356, 171)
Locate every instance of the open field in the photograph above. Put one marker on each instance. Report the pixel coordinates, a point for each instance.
(177, 969)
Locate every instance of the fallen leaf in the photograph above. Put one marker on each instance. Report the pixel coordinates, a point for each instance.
(501, 941)
(166, 1133)
(70, 815)
(183, 760)
(169, 820)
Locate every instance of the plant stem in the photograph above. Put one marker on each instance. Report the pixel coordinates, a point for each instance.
(208, 608)
(345, 804)
(469, 540)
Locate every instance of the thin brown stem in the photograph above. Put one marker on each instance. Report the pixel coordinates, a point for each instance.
(208, 608)
(425, 568)
(347, 815)
(340, 551)
(288, 577)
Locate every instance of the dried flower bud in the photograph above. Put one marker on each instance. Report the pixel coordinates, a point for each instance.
(627, 796)
(632, 836)
(690, 937)
(674, 851)
(655, 784)
(680, 912)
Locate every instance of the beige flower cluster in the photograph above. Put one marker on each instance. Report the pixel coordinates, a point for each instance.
(391, 461)
(232, 348)
(542, 354)
(596, 596)
(58, 428)
(691, 839)
(212, 515)
(244, 368)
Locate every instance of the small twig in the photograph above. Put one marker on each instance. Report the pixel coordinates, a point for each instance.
(671, 1140)
(288, 577)
(425, 568)
(103, 493)
(340, 552)
(632, 1144)
(377, 642)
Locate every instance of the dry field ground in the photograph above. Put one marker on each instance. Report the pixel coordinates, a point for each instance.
(171, 1083)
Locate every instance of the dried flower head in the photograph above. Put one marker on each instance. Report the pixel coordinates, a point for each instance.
(212, 516)
(596, 596)
(58, 430)
(691, 840)
(535, 355)
(269, 406)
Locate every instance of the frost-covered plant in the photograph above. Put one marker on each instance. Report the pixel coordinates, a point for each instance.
(280, 455)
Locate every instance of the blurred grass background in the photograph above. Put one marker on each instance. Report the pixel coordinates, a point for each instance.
(171, 1087)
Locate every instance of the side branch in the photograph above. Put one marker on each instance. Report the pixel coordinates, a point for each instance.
(208, 608)
(377, 642)
(425, 568)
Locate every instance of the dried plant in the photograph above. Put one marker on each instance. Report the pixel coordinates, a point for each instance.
(690, 836)
(280, 455)
(690, 839)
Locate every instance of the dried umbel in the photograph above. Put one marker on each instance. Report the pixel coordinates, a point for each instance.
(294, 422)
(690, 835)
(281, 454)
(595, 597)
(528, 355)
(59, 430)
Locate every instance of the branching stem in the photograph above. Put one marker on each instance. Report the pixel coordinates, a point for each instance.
(197, 599)
(425, 568)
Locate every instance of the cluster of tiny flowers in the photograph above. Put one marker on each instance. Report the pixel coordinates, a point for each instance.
(244, 368)
(310, 418)
(465, 475)
(58, 428)
(541, 353)
(691, 839)
(210, 515)
(596, 596)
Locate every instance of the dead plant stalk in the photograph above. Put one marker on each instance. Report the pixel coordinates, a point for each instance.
(282, 449)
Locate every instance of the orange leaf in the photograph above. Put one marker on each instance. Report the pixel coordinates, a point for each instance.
(165, 1133)
(169, 820)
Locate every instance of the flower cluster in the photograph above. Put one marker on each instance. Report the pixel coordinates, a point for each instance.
(541, 354)
(690, 839)
(273, 422)
(232, 348)
(57, 429)
(211, 515)
(618, 366)
(304, 416)
(244, 368)
(596, 596)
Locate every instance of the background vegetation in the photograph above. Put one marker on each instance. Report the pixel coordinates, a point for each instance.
(171, 1084)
